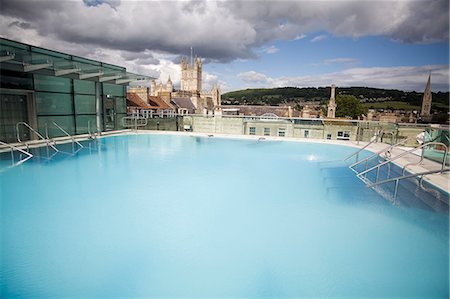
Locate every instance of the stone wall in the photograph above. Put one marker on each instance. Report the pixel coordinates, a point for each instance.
(162, 124)
(317, 129)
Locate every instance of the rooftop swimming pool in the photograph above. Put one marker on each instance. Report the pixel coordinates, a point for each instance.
(181, 216)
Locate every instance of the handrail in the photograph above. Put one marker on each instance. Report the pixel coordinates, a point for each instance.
(35, 132)
(89, 130)
(358, 151)
(380, 152)
(17, 149)
(407, 176)
(405, 153)
(136, 125)
(65, 132)
(397, 179)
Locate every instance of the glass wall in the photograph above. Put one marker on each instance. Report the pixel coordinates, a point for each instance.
(54, 103)
(42, 96)
(436, 152)
(13, 109)
(85, 105)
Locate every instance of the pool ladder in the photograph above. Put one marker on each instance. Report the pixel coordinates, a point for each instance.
(388, 159)
(13, 149)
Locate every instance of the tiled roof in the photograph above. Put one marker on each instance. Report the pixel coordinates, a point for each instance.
(158, 102)
(153, 102)
(185, 103)
(135, 101)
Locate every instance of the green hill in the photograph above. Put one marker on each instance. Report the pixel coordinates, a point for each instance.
(367, 95)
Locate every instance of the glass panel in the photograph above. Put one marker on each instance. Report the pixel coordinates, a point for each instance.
(15, 80)
(13, 109)
(119, 121)
(54, 84)
(82, 123)
(436, 152)
(4, 42)
(84, 60)
(121, 105)
(109, 67)
(49, 52)
(66, 122)
(53, 103)
(113, 90)
(84, 104)
(84, 87)
(109, 112)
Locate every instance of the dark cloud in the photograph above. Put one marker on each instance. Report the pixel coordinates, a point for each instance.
(22, 25)
(220, 31)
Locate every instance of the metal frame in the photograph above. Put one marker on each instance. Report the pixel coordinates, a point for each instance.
(13, 148)
(47, 141)
(397, 179)
(404, 154)
(358, 151)
(378, 153)
(65, 132)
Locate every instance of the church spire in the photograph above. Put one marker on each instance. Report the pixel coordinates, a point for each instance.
(426, 102)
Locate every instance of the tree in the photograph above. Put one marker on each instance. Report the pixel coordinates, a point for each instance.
(349, 106)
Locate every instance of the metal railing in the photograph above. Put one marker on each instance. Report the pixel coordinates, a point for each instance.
(136, 122)
(47, 141)
(361, 149)
(401, 155)
(13, 148)
(66, 133)
(397, 179)
(91, 135)
(378, 153)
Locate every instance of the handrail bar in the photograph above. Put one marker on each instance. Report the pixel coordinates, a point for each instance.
(358, 151)
(16, 148)
(12, 147)
(407, 177)
(92, 135)
(136, 125)
(67, 134)
(381, 151)
(34, 131)
(405, 153)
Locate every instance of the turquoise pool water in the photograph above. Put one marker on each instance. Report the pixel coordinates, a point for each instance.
(178, 216)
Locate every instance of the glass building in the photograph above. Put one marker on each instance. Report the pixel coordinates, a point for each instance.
(42, 87)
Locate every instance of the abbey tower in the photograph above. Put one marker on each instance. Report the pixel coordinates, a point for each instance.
(191, 75)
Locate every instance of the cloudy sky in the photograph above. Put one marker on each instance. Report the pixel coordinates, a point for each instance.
(245, 44)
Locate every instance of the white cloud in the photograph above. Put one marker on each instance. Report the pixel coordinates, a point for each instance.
(270, 50)
(345, 60)
(403, 78)
(318, 38)
(300, 36)
(254, 77)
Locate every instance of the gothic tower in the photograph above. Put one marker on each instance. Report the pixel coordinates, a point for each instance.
(191, 75)
(426, 102)
(216, 96)
(332, 103)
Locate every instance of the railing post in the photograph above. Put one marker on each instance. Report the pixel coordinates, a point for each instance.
(378, 174)
(12, 156)
(396, 190)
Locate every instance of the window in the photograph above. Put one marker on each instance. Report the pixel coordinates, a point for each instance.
(306, 134)
(266, 131)
(328, 136)
(281, 132)
(252, 131)
(343, 135)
